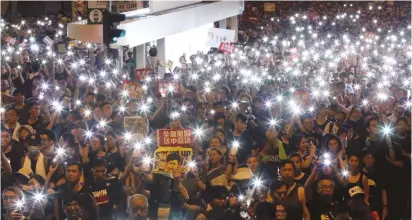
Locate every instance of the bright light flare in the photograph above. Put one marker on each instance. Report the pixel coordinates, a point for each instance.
(191, 164)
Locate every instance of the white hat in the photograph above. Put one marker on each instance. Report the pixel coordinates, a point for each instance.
(27, 127)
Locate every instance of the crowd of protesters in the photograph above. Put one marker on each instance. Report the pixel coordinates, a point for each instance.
(310, 118)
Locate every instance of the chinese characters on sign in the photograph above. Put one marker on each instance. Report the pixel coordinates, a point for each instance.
(168, 137)
(215, 36)
(225, 47)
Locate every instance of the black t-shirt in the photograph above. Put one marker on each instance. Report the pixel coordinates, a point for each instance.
(376, 184)
(116, 159)
(38, 125)
(15, 156)
(302, 181)
(323, 209)
(106, 194)
(246, 145)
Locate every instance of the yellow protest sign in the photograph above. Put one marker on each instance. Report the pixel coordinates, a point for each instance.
(160, 163)
(269, 7)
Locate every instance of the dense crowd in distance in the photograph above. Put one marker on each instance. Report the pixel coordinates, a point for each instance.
(309, 118)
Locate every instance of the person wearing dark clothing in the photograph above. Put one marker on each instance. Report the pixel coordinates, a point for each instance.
(241, 136)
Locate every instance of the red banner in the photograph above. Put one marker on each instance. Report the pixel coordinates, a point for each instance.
(226, 47)
(171, 137)
(142, 73)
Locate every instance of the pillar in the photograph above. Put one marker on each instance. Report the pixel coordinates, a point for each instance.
(223, 24)
(161, 53)
(140, 56)
(234, 26)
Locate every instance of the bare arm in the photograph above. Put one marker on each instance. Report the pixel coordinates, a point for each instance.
(302, 199)
(365, 188)
(384, 205)
(5, 163)
(308, 160)
(289, 133)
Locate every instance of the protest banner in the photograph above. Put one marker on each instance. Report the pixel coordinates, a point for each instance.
(177, 137)
(136, 125)
(164, 87)
(142, 73)
(124, 6)
(161, 165)
(134, 90)
(226, 47)
(217, 35)
(269, 7)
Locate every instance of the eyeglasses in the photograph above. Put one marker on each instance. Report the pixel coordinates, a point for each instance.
(327, 187)
(6, 198)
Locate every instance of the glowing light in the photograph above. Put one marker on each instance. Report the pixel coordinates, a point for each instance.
(19, 204)
(273, 122)
(241, 197)
(174, 115)
(192, 164)
(44, 86)
(345, 173)
(147, 140)
(257, 183)
(147, 160)
(102, 123)
(386, 130)
(87, 112)
(236, 144)
(327, 162)
(382, 96)
(38, 197)
(60, 152)
(125, 93)
(127, 136)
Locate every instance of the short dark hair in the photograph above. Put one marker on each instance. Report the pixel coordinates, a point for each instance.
(191, 88)
(91, 93)
(368, 122)
(101, 139)
(49, 133)
(12, 109)
(153, 52)
(39, 179)
(305, 116)
(284, 162)
(111, 133)
(295, 155)
(98, 162)
(174, 156)
(74, 163)
(241, 117)
(105, 103)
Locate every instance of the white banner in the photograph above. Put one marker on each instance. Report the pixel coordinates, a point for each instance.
(216, 36)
